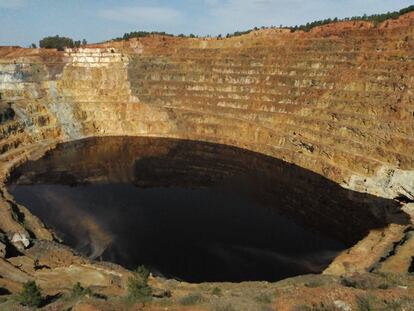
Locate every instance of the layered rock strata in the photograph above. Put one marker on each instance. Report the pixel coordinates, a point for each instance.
(337, 101)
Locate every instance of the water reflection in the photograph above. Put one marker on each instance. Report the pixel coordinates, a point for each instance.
(195, 211)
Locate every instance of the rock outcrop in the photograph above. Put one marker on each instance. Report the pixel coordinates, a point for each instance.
(337, 101)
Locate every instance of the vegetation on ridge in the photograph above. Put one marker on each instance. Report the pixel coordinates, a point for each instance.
(60, 43)
(375, 18)
(143, 34)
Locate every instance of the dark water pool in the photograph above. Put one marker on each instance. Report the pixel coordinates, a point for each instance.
(191, 210)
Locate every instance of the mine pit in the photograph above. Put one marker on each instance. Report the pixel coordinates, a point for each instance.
(193, 211)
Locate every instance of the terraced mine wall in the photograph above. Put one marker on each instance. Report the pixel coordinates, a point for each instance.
(337, 101)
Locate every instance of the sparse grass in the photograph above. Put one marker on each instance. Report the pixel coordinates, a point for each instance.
(191, 299)
(366, 303)
(224, 307)
(314, 283)
(164, 302)
(383, 286)
(392, 279)
(327, 306)
(323, 306)
(402, 304)
(395, 305)
(263, 298)
(365, 281)
(375, 281)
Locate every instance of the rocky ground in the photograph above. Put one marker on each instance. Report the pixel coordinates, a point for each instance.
(312, 292)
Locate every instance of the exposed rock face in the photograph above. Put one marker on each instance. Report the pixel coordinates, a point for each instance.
(338, 101)
(20, 241)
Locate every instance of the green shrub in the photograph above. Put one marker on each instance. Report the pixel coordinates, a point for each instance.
(143, 272)
(363, 281)
(56, 42)
(216, 292)
(138, 288)
(402, 303)
(191, 299)
(60, 43)
(31, 295)
(79, 291)
(383, 286)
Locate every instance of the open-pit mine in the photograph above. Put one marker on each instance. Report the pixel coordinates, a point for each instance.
(255, 158)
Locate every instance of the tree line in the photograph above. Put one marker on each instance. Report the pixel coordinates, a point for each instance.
(375, 18)
(57, 42)
(143, 34)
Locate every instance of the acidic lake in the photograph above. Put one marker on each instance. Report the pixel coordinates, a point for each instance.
(192, 211)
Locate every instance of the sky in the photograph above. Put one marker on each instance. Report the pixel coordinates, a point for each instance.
(23, 22)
